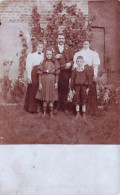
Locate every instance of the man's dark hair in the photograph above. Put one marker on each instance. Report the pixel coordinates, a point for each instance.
(61, 34)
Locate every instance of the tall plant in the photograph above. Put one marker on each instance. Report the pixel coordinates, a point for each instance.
(22, 59)
(71, 21)
(37, 32)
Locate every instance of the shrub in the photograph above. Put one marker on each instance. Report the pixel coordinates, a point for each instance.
(71, 21)
(109, 95)
(18, 91)
(37, 32)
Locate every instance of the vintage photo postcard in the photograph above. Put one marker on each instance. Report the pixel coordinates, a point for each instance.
(60, 88)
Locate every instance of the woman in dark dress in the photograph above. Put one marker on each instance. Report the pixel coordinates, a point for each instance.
(91, 59)
(32, 66)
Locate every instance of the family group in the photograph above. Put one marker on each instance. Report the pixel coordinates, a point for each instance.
(55, 70)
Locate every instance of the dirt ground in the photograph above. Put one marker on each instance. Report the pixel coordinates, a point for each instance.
(20, 127)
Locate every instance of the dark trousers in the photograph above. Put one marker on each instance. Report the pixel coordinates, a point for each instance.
(80, 95)
(63, 85)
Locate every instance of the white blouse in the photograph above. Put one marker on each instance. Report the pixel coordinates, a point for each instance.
(91, 58)
(33, 59)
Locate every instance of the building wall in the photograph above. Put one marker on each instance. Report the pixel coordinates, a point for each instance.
(20, 11)
(107, 17)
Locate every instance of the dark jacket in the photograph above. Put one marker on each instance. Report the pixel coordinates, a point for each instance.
(67, 55)
(82, 78)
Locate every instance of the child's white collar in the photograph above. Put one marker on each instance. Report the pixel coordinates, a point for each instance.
(80, 69)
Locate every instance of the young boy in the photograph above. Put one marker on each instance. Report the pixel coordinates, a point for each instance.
(81, 78)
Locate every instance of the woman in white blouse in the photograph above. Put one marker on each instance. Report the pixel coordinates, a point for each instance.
(32, 65)
(91, 58)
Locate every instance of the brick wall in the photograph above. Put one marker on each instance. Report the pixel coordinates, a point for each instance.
(20, 11)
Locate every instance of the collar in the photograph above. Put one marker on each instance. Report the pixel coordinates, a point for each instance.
(62, 46)
(79, 69)
(86, 49)
(39, 53)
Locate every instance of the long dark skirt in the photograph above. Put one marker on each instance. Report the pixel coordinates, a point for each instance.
(31, 104)
(92, 105)
(63, 88)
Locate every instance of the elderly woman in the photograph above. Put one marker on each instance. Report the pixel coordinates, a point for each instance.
(32, 65)
(91, 58)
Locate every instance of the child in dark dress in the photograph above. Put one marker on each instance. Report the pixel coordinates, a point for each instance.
(48, 81)
(81, 79)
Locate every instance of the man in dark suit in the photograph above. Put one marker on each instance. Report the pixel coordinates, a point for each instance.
(64, 56)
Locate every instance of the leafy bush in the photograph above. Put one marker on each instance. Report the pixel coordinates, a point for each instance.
(18, 91)
(37, 32)
(109, 95)
(71, 21)
(14, 91)
(67, 19)
(22, 59)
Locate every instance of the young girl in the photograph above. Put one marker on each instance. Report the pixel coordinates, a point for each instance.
(81, 79)
(48, 81)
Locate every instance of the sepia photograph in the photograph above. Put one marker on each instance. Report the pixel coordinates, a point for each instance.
(60, 72)
(59, 97)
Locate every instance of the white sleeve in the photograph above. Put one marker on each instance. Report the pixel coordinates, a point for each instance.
(29, 66)
(96, 63)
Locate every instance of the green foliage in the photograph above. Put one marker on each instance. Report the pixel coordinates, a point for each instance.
(22, 59)
(18, 91)
(37, 32)
(109, 95)
(6, 89)
(71, 21)
(14, 91)
(67, 19)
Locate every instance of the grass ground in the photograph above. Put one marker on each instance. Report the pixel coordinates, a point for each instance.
(20, 127)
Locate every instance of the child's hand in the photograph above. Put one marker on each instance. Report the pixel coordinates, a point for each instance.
(73, 91)
(68, 65)
(40, 86)
(29, 81)
(87, 90)
(95, 78)
(56, 85)
(58, 56)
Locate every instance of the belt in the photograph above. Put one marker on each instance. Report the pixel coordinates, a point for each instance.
(48, 73)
